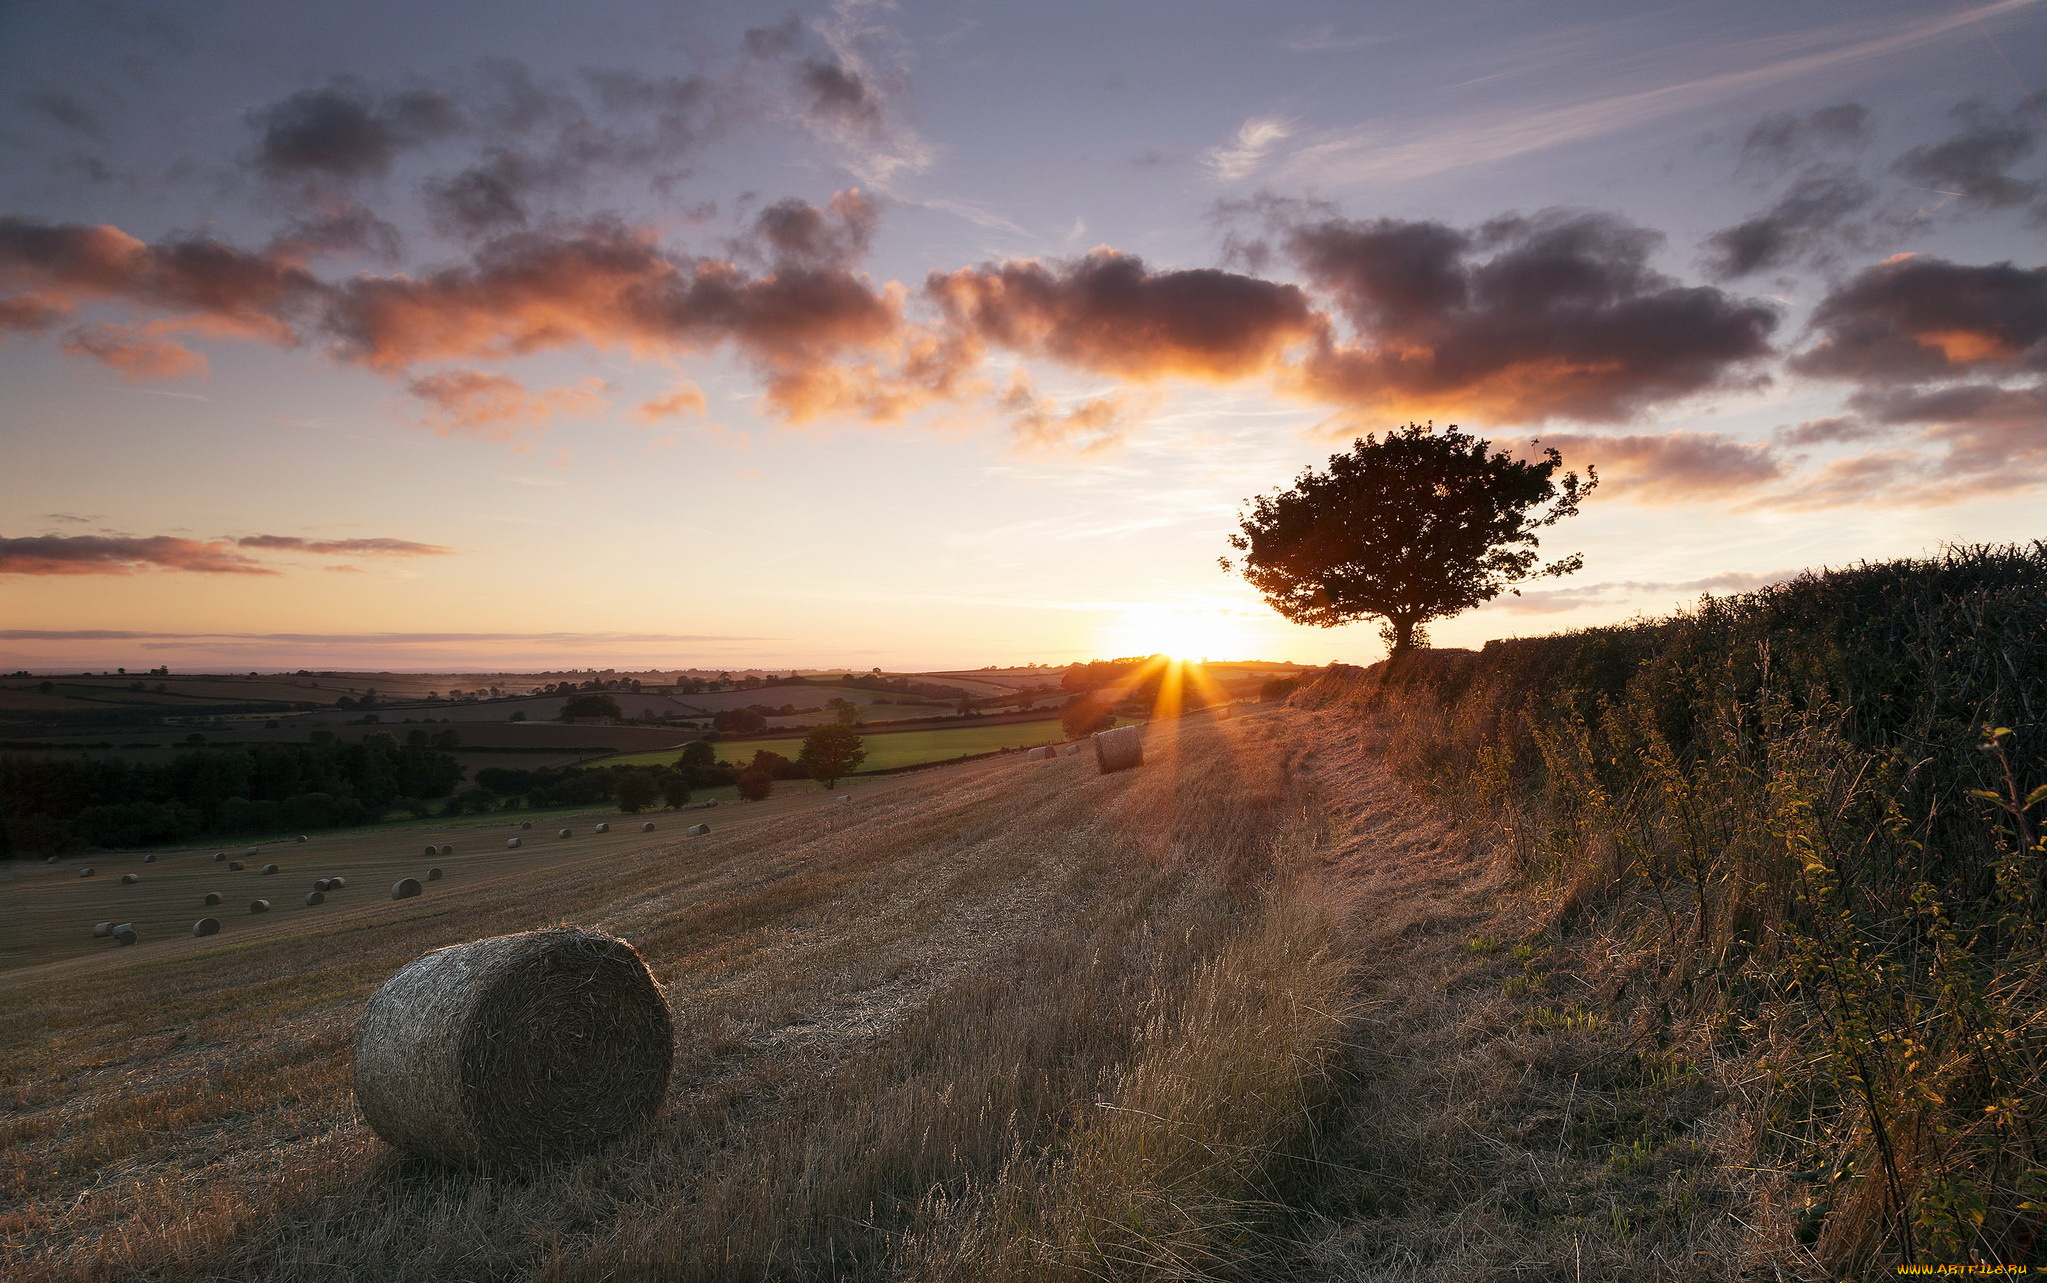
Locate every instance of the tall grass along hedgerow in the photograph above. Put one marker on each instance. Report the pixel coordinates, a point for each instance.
(1828, 797)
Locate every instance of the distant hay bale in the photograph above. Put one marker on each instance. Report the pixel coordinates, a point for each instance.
(149, 859)
(1120, 749)
(125, 933)
(51, 860)
(604, 828)
(564, 833)
(1043, 754)
(259, 906)
(101, 930)
(303, 838)
(218, 856)
(845, 798)
(234, 866)
(1224, 713)
(319, 884)
(206, 927)
(433, 851)
(85, 872)
(405, 889)
(508, 1050)
(269, 868)
(212, 897)
(433, 875)
(648, 827)
(447, 850)
(1071, 750)
(130, 879)
(316, 897)
(253, 852)
(711, 802)
(512, 843)
(525, 824)
(335, 884)
(697, 831)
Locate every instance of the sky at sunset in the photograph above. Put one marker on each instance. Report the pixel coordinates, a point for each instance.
(919, 335)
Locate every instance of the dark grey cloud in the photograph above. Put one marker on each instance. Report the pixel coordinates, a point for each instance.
(1975, 163)
(340, 132)
(773, 42)
(1836, 430)
(838, 93)
(1806, 223)
(66, 110)
(1919, 319)
(1558, 315)
(798, 233)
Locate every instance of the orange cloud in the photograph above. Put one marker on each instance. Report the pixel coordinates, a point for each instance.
(686, 398)
(121, 555)
(376, 547)
(496, 407)
(137, 358)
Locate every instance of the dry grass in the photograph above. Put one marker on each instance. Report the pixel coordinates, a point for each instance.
(1250, 1011)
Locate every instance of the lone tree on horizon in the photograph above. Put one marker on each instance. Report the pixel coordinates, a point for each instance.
(1417, 527)
(830, 751)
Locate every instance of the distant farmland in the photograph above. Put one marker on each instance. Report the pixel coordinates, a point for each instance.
(887, 750)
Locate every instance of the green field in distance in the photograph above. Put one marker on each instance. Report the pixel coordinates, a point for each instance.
(885, 751)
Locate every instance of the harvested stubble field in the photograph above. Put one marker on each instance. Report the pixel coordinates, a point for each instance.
(1220, 1016)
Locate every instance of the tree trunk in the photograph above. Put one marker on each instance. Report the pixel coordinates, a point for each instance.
(1403, 639)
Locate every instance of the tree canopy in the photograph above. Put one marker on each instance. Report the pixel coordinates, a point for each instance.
(831, 751)
(1414, 528)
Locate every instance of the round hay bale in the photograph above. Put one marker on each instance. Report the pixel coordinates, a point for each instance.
(303, 838)
(433, 875)
(447, 850)
(508, 1050)
(1224, 713)
(564, 833)
(525, 824)
(433, 851)
(101, 930)
(1072, 750)
(218, 856)
(253, 852)
(212, 897)
(269, 868)
(1043, 753)
(206, 927)
(604, 828)
(130, 879)
(335, 884)
(315, 897)
(405, 889)
(234, 866)
(319, 884)
(1120, 749)
(149, 859)
(648, 827)
(85, 872)
(259, 906)
(50, 860)
(711, 802)
(844, 798)
(697, 831)
(125, 933)
(512, 844)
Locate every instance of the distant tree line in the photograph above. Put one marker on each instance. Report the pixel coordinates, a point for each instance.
(57, 804)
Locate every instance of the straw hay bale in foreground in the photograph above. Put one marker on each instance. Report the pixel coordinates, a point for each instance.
(405, 889)
(1120, 749)
(697, 831)
(102, 930)
(512, 844)
(507, 1050)
(206, 927)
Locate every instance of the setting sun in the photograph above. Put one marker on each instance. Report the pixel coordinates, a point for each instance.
(1179, 633)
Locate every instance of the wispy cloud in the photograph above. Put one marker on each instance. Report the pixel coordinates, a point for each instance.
(1376, 152)
(1240, 158)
